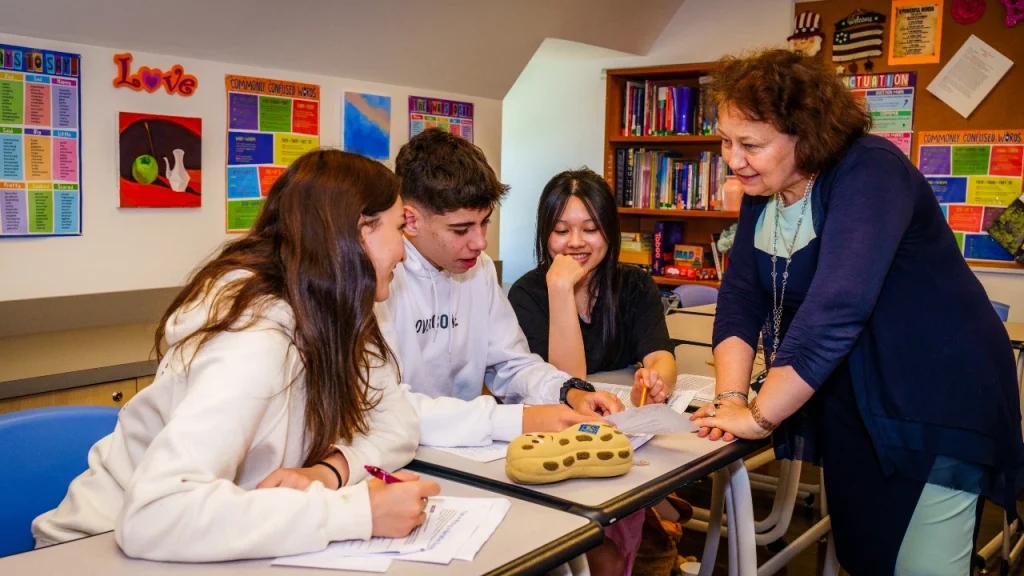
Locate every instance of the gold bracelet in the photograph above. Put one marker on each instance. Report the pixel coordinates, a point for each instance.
(759, 418)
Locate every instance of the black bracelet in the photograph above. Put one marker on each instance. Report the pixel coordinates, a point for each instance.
(333, 469)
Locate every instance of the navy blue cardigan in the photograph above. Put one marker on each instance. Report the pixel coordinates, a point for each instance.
(931, 364)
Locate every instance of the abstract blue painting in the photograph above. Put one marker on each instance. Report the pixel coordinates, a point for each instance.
(368, 125)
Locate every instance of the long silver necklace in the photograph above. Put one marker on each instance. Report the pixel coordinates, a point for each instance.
(777, 298)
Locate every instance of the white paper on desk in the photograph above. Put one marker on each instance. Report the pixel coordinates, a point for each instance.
(491, 452)
(478, 518)
(651, 419)
(342, 555)
(703, 386)
(492, 518)
(679, 399)
(969, 76)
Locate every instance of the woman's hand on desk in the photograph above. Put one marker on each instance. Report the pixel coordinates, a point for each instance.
(732, 419)
(656, 389)
(399, 508)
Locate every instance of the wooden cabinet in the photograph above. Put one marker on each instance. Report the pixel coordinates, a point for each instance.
(142, 382)
(108, 394)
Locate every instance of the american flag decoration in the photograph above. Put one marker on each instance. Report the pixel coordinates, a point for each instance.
(858, 36)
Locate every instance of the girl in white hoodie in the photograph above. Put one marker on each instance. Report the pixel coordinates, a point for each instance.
(276, 389)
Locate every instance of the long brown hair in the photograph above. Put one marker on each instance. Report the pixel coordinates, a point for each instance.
(305, 250)
(798, 95)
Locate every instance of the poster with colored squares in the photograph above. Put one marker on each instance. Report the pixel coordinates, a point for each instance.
(270, 124)
(448, 115)
(40, 142)
(975, 175)
(889, 99)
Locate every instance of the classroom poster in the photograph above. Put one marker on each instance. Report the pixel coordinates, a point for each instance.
(975, 175)
(889, 98)
(367, 129)
(916, 36)
(448, 115)
(270, 124)
(160, 161)
(40, 142)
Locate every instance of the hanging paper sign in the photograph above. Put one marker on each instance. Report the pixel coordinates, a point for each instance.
(40, 142)
(448, 115)
(974, 174)
(889, 99)
(174, 81)
(916, 32)
(270, 124)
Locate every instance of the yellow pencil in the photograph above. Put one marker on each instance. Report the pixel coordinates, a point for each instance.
(643, 396)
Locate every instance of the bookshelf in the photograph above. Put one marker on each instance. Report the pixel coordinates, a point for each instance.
(698, 225)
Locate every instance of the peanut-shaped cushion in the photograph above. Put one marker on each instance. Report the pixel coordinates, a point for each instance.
(582, 451)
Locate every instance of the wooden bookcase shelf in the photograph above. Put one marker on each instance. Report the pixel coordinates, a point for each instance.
(667, 281)
(665, 214)
(698, 225)
(666, 140)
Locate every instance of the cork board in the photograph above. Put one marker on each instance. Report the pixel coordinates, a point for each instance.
(1003, 108)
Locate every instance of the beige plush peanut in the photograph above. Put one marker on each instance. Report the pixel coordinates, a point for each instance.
(581, 451)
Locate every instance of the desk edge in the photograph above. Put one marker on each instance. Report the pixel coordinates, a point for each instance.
(651, 491)
(554, 553)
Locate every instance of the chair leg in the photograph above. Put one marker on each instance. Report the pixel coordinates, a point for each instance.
(831, 562)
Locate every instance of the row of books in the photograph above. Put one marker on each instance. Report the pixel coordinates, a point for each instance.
(664, 109)
(659, 179)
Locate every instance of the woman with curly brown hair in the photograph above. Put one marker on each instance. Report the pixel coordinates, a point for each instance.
(887, 363)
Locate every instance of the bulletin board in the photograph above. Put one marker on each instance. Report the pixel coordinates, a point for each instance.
(1002, 109)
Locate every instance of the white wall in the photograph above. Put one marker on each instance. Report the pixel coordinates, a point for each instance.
(553, 117)
(131, 249)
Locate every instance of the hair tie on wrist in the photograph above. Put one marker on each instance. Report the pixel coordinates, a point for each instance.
(333, 469)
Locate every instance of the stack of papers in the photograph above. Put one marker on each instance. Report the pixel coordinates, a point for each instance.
(456, 529)
(643, 427)
(703, 386)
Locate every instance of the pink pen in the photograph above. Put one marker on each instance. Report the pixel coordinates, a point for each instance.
(380, 474)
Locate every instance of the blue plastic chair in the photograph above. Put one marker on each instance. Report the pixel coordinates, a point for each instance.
(696, 295)
(1003, 310)
(43, 451)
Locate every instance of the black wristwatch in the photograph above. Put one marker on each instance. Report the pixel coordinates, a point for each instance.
(569, 385)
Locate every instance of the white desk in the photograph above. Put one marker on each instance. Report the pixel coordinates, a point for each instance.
(674, 461)
(690, 328)
(705, 310)
(531, 540)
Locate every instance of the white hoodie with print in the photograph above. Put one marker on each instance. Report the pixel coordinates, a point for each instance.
(453, 333)
(176, 479)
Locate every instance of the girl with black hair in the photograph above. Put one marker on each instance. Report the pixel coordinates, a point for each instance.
(584, 312)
